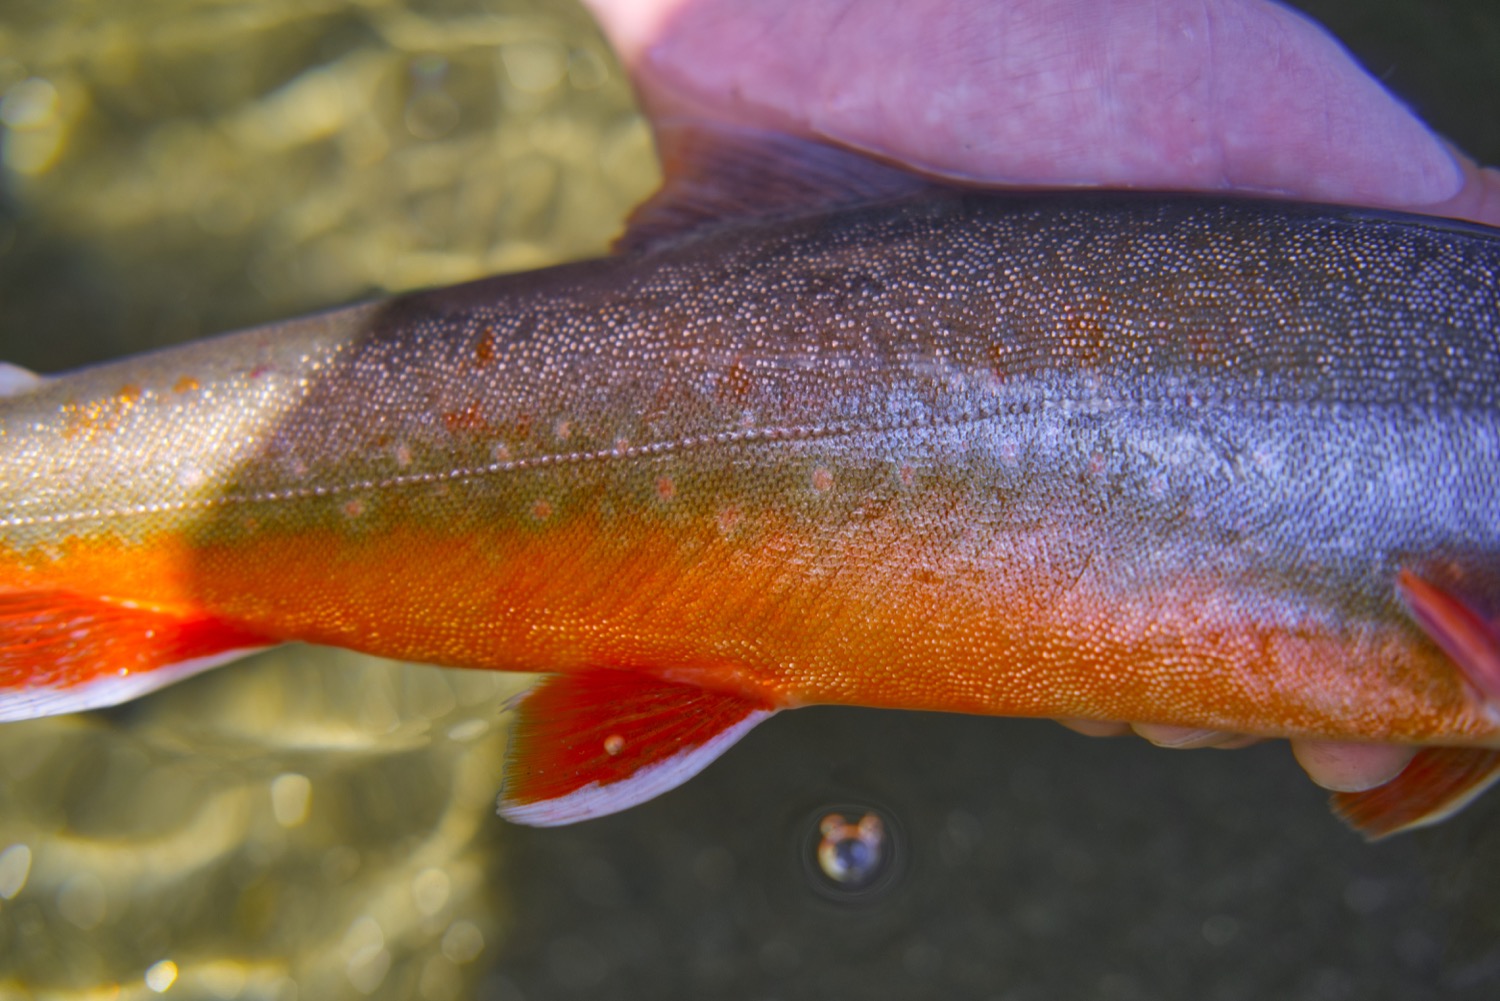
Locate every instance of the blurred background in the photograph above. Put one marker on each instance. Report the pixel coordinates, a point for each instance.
(316, 824)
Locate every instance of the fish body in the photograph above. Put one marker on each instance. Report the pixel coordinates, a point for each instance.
(1168, 459)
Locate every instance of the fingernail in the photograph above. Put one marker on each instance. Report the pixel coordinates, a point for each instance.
(1178, 736)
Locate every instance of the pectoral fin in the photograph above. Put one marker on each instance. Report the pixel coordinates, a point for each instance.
(1438, 783)
(592, 743)
(1465, 635)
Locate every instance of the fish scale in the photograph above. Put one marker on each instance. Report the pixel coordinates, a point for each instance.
(1115, 456)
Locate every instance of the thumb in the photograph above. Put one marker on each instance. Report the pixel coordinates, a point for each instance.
(1218, 95)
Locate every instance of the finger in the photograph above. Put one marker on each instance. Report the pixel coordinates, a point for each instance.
(1181, 94)
(1478, 200)
(1096, 728)
(1351, 767)
(1183, 737)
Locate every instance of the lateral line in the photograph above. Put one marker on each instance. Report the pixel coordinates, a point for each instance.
(806, 432)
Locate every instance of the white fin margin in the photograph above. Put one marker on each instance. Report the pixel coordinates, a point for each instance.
(23, 703)
(595, 800)
(15, 380)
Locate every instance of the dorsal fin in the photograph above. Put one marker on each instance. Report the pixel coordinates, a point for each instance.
(716, 174)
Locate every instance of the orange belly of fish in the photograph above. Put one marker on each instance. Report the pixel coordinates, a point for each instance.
(776, 618)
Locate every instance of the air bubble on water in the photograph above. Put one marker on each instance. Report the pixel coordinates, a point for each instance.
(852, 849)
(851, 852)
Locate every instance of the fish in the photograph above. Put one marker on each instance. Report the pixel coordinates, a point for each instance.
(822, 432)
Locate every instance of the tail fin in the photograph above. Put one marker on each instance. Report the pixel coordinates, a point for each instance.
(62, 653)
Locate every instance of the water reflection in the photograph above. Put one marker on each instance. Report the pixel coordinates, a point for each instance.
(311, 823)
(306, 825)
(291, 156)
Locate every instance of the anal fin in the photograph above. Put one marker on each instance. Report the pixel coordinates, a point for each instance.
(591, 743)
(61, 652)
(1437, 783)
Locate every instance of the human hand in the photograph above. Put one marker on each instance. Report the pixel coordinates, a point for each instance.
(1208, 95)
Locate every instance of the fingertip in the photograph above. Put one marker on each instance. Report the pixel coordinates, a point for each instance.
(1096, 728)
(1185, 737)
(1477, 201)
(1348, 767)
(1177, 737)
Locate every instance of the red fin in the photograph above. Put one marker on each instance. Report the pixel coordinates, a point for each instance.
(589, 744)
(1464, 635)
(716, 174)
(63, 653)
(1438, 783)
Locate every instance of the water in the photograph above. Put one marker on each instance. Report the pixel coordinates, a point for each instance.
(315, 824)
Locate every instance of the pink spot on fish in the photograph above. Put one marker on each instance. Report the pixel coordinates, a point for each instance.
(728, 519)
(470, 419)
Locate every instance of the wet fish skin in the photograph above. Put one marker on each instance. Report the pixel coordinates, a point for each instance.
(1113, 456)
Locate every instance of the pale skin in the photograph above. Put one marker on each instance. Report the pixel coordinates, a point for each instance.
(1206, 95)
